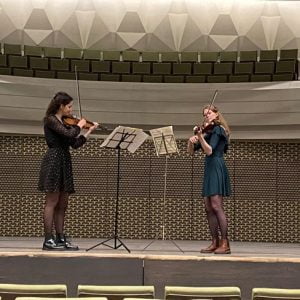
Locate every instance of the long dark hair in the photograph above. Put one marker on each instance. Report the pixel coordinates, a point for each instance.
(60, 98)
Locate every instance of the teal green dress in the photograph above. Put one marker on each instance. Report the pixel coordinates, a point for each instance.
(216, 179)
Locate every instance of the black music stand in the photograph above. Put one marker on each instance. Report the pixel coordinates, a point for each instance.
(165, 144)
(125, 138)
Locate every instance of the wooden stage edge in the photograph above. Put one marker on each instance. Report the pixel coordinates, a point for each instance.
(151, 262)
(156, 250)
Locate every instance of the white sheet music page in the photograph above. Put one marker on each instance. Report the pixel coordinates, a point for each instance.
(164, 140)
(126, 138)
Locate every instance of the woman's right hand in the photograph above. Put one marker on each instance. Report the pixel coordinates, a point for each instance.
(81, 123)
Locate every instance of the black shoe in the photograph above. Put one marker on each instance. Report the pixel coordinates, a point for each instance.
(50, 245)
(62, 241)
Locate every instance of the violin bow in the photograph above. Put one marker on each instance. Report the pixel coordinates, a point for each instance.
(213, 100)
(78, 92)
(78, 98)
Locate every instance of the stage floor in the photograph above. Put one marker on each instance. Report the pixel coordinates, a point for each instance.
(165, 248)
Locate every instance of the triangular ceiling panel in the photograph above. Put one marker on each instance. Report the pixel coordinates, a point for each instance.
(165, 34)
(190, 35)
(244, 15)
(293, 44)
(289, 12)
(257, 35)
(154, 43)
(37, 36)
(270, 26)
(152, 13)
(38, 20)
(15, 37)
(49, 40)
(233, 46)
(199, 44)
(111, 41)
(141, 44)
(208, 13)
(224, 26)
(27, 40)
(7, 27)
(97, 32)
(71, 30)
(121, 44)
(131, 38)
(150, 42)
(212, 45)
(62, 40)
(107, 42)
(178, 23)
(223, 41)
(18, 12)
(111, 12)
(60, 12)
(85, 20)
(246, 45)
(131, 23)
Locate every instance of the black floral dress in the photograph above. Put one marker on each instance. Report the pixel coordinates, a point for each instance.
(56, 168)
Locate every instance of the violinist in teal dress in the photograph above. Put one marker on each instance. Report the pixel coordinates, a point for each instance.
(213, 139)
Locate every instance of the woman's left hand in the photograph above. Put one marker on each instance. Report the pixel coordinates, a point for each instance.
(92, 128)
(194, 139)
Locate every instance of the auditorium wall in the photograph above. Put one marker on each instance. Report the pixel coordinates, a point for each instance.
(263, 207)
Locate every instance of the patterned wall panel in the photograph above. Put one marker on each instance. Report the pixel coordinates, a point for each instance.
(90, 216)
(264, 205)
(255, 220)
(288, 220)
(31, 214)
(10, 214)
(134, 217)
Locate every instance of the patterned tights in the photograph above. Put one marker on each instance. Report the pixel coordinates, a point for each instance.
(216, 216)
(54, 212)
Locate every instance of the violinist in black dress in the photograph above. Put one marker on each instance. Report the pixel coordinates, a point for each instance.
(216, 182)
(56, 176)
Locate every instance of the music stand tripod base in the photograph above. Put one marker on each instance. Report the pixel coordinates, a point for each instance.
(165, 144)
(125, 138)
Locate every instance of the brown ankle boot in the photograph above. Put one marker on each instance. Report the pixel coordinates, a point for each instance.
(224, 247)
(212, 247)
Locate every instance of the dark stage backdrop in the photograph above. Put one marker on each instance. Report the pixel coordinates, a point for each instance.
(264, 205)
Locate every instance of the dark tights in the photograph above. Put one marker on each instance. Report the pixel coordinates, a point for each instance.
(54, 212)
(216, 216)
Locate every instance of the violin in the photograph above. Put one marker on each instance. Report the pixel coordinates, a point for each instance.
(71, 120)
(205, 127)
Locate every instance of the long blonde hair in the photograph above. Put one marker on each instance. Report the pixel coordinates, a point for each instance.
(219, 119)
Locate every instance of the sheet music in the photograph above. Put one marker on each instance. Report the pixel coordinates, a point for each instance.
(164, 140)
(132, 138)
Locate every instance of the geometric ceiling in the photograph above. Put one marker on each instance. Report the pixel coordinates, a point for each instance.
(160, 25)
